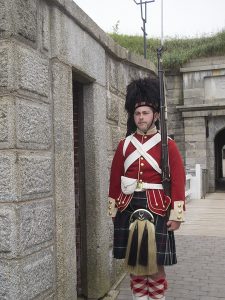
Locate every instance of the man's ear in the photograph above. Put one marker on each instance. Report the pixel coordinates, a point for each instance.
(156, 116)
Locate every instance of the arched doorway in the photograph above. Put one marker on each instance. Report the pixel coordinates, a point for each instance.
(219, 144)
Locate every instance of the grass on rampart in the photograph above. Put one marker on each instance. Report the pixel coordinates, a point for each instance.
(177, 51)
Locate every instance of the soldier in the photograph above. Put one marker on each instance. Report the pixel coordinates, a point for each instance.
(144, 216)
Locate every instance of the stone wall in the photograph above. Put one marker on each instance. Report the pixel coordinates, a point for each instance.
(44, 44)
(174, 98)
(27, 247)
(203, 111)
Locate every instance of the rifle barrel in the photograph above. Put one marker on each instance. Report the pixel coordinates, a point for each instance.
(163, 126)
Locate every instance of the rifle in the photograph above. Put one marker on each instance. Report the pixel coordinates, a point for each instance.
(163, 127)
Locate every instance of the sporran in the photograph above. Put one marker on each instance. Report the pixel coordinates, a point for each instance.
(141, 256)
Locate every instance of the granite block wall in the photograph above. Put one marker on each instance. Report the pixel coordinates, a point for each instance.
(43, 43)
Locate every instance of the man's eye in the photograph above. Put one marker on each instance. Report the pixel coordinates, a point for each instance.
(143, 113)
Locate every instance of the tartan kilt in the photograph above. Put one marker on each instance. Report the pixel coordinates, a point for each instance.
(165, 241)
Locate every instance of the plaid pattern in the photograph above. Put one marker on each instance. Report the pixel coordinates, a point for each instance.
(139, 285)
(165, 242)
(156, 288)
(146, 286)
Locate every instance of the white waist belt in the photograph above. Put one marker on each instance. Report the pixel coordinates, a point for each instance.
(148, 186)
(129, 185)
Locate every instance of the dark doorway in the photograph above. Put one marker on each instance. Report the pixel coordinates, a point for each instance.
(219, 143)
(79, 177)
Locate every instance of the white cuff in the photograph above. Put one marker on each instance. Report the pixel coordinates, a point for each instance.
(112, 209)
(177, 214)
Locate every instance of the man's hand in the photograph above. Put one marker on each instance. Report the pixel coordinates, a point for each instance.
(173, 225)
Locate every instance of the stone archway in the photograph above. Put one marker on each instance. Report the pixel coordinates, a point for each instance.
(219, 144)
(223, 157)
(214, 141)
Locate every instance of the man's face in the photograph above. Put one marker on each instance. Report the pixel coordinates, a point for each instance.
(145, 118)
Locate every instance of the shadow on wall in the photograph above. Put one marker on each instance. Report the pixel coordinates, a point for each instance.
(220, 182)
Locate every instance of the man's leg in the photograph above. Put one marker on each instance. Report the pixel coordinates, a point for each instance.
(139, 287)
(157, 285)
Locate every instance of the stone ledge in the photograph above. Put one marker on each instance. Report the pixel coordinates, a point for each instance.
(202, 68)
(204, 64)
(200, 107)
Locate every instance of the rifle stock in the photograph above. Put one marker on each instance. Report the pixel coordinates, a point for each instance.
(163, 127)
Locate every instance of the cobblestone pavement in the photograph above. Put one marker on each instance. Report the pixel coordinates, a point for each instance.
(200, 272)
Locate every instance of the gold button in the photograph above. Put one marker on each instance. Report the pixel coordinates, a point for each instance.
(180, 211)
(142, 158)
(110, 213)
(110, 201)
(110, 207)
(145, 137)
(141, 173)
(142, 164)
(140, 180)
(179, 217)
(179, 205)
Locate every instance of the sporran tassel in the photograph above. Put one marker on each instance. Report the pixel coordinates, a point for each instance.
(143, 254)
(141, 249)
(132, 260)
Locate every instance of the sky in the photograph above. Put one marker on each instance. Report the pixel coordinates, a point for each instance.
(181, 18)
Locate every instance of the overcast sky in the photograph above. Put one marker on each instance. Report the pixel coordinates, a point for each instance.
(181, 18)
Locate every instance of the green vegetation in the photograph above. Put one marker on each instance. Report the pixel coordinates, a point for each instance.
(176, 51)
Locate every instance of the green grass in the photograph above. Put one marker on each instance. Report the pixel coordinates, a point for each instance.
(177, 51)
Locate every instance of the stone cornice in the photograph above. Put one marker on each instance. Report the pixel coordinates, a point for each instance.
(200, 107)
(202, 110)
(204, 64)
(202, 68)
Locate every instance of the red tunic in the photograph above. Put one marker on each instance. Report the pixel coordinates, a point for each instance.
(158, 202)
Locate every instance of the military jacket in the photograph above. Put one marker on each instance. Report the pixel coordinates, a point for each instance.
(144, 171)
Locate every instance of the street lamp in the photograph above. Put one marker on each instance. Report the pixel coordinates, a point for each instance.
(144, 18)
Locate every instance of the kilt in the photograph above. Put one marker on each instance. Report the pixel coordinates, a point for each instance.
(165, 241)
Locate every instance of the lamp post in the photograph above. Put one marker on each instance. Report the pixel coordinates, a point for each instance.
(143, 5)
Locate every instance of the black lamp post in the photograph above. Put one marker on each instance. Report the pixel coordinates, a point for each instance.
(144, 18)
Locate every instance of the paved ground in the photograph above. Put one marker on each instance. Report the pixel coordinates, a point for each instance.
(200, 272)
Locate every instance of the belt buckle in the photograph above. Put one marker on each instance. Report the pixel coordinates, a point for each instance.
(139, 185)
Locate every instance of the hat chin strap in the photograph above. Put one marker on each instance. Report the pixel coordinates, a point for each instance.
(150, 131)
(149, 128)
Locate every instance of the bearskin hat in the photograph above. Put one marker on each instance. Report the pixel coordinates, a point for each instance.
(141, 92)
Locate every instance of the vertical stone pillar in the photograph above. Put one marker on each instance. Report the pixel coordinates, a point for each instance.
(64, 180)
(174, 98)
(96, 179)
(195, 140)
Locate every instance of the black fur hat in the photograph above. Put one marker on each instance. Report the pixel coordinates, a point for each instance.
(141, 92)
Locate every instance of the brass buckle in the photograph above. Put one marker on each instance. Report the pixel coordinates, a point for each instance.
(139, 185)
